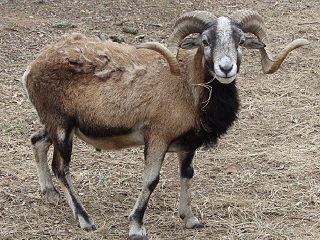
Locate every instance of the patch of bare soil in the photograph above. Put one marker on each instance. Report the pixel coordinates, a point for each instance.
(262, 181)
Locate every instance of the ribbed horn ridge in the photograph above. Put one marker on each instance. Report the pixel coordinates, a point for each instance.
(190, 22)
(250, 21)
(166, 53)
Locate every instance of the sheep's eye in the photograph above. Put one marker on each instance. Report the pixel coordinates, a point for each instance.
(205, 42)
(241, 41)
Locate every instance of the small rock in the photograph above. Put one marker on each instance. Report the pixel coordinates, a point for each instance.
(130, 30)
(117, 38)
(157, 25)
(102, 36)
(140, 37)
(64, 25)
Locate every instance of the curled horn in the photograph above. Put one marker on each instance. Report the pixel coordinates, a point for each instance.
(250, 21)
(166, 53)
(190, 22)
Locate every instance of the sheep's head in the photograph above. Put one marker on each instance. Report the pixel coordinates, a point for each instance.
(220, 40)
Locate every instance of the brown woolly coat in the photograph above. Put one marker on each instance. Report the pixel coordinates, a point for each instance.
(101, 85)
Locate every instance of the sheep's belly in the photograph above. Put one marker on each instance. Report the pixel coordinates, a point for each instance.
(113, 142)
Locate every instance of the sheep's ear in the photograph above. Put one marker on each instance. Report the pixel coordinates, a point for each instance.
(189, 43)
(253, 43)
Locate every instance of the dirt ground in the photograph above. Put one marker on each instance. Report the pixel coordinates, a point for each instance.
(262, 181)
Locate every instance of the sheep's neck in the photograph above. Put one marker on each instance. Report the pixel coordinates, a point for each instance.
(218, 107)
(217, 103)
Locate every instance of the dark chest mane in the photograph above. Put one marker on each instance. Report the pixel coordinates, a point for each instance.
(220, 112)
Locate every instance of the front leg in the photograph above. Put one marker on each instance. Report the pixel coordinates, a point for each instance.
(186, 175)
(153, 161)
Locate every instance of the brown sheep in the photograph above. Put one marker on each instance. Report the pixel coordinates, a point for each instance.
(114, 95)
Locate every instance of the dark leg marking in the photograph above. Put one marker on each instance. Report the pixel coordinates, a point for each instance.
(154, 183)
(39, 136)
(60, 166)
(186, 175)
(186, 169)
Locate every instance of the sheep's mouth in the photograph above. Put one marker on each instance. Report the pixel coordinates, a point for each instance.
(223, 79)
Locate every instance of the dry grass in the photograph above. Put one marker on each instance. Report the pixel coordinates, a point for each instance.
(262, 180)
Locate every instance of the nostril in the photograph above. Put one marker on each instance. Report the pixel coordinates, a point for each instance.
(226, 69)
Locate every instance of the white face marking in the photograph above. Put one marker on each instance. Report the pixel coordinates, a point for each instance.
(223, 26)
(225, 53)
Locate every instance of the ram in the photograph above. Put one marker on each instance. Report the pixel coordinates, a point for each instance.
(114, 96)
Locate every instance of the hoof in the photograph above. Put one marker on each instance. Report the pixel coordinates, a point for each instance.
(198, 225)
(90, 228)
(136, 237)
(192, 223)
(52, 195)
(86, 223)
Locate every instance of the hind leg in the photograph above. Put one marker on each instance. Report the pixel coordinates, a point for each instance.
(40, 146)
(60, 166)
